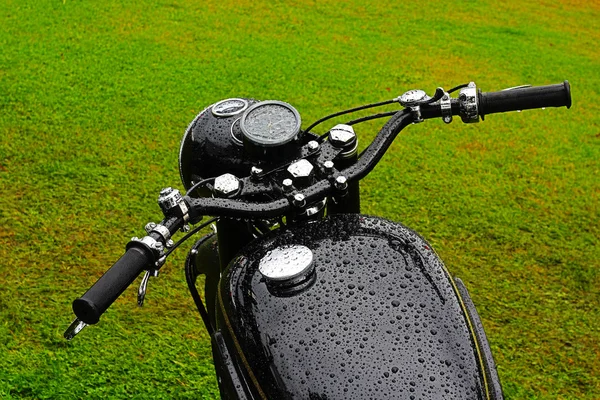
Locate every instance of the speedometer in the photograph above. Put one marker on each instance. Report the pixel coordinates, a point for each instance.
(270, 123)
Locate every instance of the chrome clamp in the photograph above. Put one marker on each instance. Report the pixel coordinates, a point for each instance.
(160, 229)
(158, 249)
(156, 246)
(413, 100)
(469, 104)
(446, 108)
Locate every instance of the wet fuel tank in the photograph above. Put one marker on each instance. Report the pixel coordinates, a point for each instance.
(349, 307)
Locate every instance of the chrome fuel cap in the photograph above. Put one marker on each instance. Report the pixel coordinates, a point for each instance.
(287, 265)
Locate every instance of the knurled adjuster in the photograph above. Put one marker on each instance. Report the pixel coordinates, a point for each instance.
(172, 204)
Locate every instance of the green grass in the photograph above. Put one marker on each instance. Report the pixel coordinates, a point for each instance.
(95, 96)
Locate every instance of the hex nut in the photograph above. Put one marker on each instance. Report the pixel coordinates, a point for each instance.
(328, 166)
(288, 185)
(226, 185)
(341, 183)
(299, 200)
(301, 169)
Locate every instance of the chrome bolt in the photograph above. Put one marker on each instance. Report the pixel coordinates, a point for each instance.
(158, 246)
(255, 172)
(341, 183)
(185, 228)
(301, 169)
(288, 185)
(193, 252)
(226, 185)
(299, 200)
(170, 243)
(342, 135)
(313, 145)
(328, 167)
(166, 191)
(150, 226)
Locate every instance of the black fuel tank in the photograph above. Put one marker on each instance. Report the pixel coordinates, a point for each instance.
(379, 317)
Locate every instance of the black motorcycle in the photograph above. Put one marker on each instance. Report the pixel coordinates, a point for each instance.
(306, 298)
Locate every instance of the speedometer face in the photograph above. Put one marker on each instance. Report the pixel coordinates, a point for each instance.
(229, 107)
(270, 123)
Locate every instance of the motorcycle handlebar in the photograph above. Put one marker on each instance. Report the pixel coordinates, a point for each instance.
(139, 256)
(525, 98)
(89, 307)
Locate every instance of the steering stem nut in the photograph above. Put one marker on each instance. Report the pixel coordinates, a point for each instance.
(342, 136)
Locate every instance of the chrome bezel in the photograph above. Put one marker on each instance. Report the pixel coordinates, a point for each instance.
(266, 143)
(236, 140)
(229, 114)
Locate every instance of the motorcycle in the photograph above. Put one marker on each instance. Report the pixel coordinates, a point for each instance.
(304, 296)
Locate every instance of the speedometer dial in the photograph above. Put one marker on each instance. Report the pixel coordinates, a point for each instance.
(270, 123)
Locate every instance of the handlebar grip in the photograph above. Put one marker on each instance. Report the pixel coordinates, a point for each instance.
(557, 95)
(89, 307)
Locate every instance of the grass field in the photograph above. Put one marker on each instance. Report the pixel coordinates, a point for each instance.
(94, 99)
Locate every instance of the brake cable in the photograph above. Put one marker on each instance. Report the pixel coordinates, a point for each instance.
(337, 114)
(198, 184)
(370, 117)
(188, 235)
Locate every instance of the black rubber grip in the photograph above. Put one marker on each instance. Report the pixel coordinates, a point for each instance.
(558, 95)
(89, 307)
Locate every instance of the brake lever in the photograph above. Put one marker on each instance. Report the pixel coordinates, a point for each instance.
(144, 285)
(76, 326)
(439, 93)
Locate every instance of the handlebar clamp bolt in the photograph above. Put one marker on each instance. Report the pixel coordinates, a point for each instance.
(328, 167)
(342, 136)
(341, 183)
(299, 200)
(226, 185)
(255, 172)
(313, 145)
(288, 185)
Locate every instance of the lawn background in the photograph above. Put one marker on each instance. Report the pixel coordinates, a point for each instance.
(94, 99)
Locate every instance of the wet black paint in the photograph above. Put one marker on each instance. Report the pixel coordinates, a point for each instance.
(381, 319)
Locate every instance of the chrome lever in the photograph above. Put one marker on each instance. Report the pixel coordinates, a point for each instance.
(516, 87)
(144, 285)
(76, 326)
